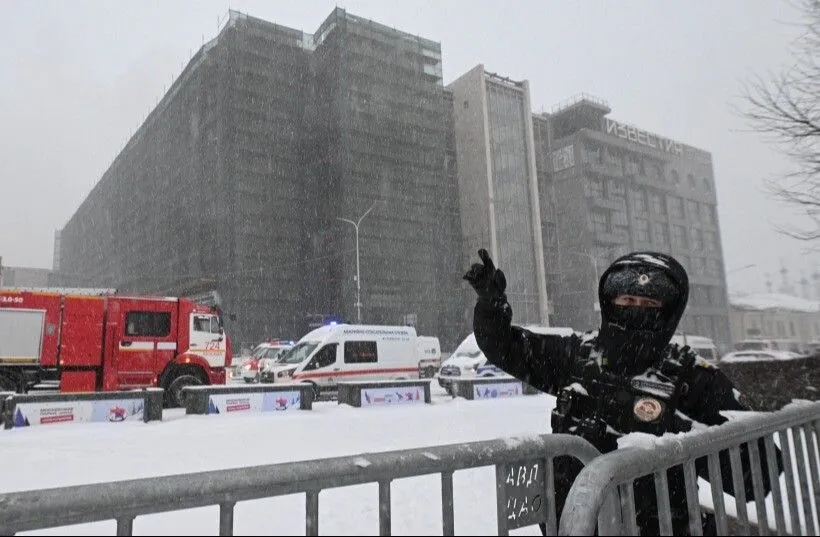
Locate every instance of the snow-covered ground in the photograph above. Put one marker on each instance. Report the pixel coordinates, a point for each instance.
(76, 454)
(61, 455)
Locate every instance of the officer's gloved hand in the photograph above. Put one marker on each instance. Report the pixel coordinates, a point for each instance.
(685, 359)
(488, 281)
(686, 356)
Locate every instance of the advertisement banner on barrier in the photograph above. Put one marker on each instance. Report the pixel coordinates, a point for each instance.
(497, 390)
(392, 396)
(230, 403)
(110, 410)
(281, 401)
(227, 403)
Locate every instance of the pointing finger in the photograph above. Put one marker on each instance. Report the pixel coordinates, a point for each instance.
(485, 258)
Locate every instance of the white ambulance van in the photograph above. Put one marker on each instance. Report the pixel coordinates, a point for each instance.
(345, 352)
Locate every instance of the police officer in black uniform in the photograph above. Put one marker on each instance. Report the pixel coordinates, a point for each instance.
(627, 378)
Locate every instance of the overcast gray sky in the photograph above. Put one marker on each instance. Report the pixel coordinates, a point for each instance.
(79, 77)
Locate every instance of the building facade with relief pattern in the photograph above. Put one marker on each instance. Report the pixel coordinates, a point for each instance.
(609, 188)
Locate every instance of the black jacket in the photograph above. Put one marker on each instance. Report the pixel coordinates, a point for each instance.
(622, 380)
(552, 363)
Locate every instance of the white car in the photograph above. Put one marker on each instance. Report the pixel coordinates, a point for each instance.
(251, 371)
(758, 356)
(467, 361)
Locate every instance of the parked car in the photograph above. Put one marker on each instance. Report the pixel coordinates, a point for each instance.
(268, 365)
(251, 371)
(758, 356)
(467, 361)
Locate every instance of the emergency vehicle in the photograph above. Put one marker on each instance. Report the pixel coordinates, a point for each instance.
(95, 340)
(346, 352)
(263, 355)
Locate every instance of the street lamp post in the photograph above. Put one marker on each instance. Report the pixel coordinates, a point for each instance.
(358, 274)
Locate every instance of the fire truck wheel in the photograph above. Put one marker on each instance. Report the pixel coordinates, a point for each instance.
(187, 378)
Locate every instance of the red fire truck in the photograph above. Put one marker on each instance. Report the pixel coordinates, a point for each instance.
(99, 341)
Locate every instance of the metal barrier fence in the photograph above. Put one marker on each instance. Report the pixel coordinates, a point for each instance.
(617, 471)
(123, 501)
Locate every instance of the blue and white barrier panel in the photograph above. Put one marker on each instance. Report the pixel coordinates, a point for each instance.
(61, 408)
(384, 393)
(490, 388)
(246, 399)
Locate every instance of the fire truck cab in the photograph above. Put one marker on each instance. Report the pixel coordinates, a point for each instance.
(105, 342)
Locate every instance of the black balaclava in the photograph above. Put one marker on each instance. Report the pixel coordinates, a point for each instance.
(631, 338)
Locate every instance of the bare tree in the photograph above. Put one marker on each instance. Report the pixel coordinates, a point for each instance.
(786, 107)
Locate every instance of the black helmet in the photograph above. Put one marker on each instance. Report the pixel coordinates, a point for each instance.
(633, 336)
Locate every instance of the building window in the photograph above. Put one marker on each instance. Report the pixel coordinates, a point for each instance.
(675, 177)
(676, 207)
(713, 267)
(616, 189)
(632, 166)
(661, 235)
(641, 230)
(590, 154)
(707, 184)
(657, 173)
(710, 241)
(701, 295)
(658, 206)
(596, 187)
(690, 179)
(692, 207)
(611, 158)
(639, 201)
(599, 223)
(679, 236)
(791, 329)
(697, 240)
(698, 265)
(716, 296)
(619, 219)
(707, 213)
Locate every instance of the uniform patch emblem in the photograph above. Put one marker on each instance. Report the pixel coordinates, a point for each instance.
(649, 385)
(643, 279)
(647, 409)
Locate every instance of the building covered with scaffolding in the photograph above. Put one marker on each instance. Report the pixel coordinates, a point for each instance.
(237, 180)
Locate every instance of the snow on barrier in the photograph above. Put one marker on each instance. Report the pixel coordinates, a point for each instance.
(54, 408)
(384, 392)
(490, 387)
(239, 399)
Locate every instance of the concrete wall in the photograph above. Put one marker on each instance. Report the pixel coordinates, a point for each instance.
(24, 277)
